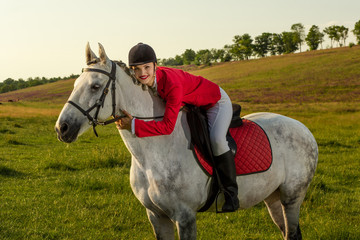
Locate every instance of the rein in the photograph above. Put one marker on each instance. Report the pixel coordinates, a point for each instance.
(93, 120)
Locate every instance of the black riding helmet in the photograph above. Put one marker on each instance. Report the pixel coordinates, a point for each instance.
(141, 54)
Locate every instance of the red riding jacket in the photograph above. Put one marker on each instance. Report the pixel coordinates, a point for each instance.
(177, 88)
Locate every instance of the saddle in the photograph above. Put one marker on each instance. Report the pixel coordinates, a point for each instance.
(197, 120)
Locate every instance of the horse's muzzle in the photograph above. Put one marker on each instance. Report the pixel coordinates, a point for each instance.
(67, 132)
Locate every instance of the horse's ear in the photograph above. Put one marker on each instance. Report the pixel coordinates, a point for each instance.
(103, 57)
(90, 55)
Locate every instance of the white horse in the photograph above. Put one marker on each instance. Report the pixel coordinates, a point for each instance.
(164, 175)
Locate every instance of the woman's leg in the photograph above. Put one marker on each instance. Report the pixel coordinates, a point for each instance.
(219, 118)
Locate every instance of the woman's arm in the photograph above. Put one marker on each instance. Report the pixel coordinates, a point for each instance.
(173, 98)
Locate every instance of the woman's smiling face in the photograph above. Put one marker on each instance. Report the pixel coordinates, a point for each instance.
(145, 73)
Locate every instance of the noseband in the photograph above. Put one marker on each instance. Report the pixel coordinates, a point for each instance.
(100, 102)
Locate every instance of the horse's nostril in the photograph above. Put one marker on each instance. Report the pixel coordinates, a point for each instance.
(64, 128)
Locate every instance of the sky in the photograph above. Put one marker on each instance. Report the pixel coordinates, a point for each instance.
(47, 38)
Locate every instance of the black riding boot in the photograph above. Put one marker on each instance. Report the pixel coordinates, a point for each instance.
(225, 167)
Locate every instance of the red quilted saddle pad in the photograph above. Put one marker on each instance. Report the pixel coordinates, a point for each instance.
(253, 150)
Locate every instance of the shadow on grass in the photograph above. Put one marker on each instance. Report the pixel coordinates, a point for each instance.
(8, 172)
(92, 185)
(107, 163)
(60, 167)
(14, 142)
(333, 144)
(6, 131)
(111, 163)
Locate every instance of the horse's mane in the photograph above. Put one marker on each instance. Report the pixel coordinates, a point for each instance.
(131, 74)
(126, 69)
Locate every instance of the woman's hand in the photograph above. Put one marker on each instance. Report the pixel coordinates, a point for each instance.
(125, 122)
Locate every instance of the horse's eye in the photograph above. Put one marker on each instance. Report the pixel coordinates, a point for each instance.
(95, 87)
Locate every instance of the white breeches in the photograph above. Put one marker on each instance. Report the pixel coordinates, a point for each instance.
(219, 118)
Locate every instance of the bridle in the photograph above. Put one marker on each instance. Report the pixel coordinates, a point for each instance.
(93, 120)
(100, 102)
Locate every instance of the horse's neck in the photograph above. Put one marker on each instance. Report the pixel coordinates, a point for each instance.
(138, 102)
(135, 100)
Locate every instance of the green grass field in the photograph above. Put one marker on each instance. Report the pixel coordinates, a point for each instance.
(52, 190)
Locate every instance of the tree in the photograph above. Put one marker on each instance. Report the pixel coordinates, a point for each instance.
(332, 33)
(337, 35)
(9, 81)
(314, 37)
(203, 57)
(321, 35)
(356, 31)
(218, 54)
(272, 46)
(242, 47)
(299, 34)
(188, 56)
(278, 43)
(227, 57)
(343, 33)
(21, 84)
(179, 60)
(290, 45)
(262, 44)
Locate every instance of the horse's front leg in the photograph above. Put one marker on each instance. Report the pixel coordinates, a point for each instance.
(162, 225)
(185, 220)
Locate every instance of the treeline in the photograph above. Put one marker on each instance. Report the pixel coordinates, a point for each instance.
(266, 44)
(11, 84)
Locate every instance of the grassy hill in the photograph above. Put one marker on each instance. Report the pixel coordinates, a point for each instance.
(56, 92)
(331, 75)
(317, 76)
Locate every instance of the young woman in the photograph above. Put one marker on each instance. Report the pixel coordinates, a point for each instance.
(177, 88)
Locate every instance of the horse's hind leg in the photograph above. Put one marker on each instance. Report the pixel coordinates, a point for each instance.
(291, 207)
(292, 222)
(275, 209)
(162, 225)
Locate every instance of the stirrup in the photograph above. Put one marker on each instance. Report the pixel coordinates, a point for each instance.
(232, 203)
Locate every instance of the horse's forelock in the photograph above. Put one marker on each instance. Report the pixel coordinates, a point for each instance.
(93, 61)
